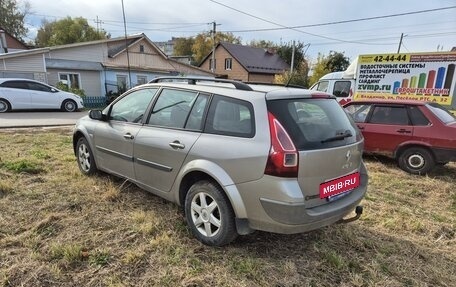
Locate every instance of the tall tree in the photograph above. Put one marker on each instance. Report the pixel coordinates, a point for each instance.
(337, 61)
(183, 46)
(334, 62)
(286, 51)
(67, 31)
(262, 44)
(203, 43)
(12, 19)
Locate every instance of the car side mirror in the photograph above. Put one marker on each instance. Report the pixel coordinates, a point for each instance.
(54, 90)
(96, 115)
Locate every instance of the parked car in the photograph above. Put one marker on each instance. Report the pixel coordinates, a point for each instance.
(238, 159)
(417, 134)
(23, 94)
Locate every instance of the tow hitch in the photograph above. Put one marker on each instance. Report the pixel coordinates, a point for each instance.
(358, 211)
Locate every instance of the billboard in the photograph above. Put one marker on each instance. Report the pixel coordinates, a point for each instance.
(415, 76)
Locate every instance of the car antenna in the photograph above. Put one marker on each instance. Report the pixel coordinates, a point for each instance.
(290, 78)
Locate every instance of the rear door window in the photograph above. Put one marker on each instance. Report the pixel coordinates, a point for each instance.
(16, 85)
(391, 115)
(314, 123)
(231, 117)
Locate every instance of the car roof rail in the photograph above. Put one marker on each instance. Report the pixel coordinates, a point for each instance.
(192, 81)
(279, 85)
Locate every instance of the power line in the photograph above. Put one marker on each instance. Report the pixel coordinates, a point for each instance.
(291, 28)
(329, 23)
(429, 35)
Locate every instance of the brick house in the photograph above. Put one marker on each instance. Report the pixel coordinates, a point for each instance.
(9, 43)
(245, 63)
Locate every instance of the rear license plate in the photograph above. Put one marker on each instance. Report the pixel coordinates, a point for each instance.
(339, 185)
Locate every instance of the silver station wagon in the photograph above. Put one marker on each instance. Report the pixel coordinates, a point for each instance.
(238, 157)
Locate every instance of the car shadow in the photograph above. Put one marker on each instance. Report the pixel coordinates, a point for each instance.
(445, 172)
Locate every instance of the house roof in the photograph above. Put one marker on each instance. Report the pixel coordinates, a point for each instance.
(453, 50)
(255, 60)
(13, 42)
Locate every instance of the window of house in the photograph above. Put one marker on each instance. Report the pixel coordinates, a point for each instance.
(228, 63)
(121, 83)
(342, 89)
(141, 80)
(141, 48)
(210, 64)
(71, 80)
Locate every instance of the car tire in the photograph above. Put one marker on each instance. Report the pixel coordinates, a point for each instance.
(5, 106)
(416, 160)
(69, 106)
(209, 214)
(85, 157)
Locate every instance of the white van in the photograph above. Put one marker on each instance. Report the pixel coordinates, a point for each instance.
(340, 84)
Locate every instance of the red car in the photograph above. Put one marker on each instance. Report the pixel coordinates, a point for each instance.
(417, 134)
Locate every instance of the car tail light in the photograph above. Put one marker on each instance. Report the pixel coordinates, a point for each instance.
(283, 156)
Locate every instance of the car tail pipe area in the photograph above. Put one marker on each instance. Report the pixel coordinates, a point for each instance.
(358, 211)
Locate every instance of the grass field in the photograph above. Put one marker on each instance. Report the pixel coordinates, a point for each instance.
(60, 228)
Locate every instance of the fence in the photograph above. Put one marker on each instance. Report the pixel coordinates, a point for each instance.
(94, 102)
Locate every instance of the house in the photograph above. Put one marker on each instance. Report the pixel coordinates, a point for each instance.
(453, 49)
(244, 63)
(97, 67)
(9, 43)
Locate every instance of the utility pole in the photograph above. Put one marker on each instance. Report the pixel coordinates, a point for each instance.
(293, 56)
(213, 47)
(400, 43)
(126, 46)
(99, 22)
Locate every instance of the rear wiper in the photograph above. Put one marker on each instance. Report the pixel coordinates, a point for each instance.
(338, 137)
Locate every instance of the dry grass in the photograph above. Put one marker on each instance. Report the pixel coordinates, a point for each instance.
(59, 228)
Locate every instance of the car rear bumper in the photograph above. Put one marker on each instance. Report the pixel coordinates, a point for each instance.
(444, 155)
(290, 214)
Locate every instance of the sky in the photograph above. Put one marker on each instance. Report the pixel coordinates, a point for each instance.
(161, 20)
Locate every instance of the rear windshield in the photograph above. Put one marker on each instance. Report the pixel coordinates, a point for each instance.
(314, 123)
(443, 114)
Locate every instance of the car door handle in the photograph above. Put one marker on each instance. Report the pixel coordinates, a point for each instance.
(128, 136)
(360, 128)
(176, 145)
(404, 131)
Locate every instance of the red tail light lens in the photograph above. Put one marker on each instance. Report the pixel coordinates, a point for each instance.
(283, 156)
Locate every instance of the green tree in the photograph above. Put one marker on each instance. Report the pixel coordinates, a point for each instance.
(183, 46)
(262, 44)
(203, 43)
(286, 51)
(337, 61)
(67, 31)
(12, 19)
(334, 62)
